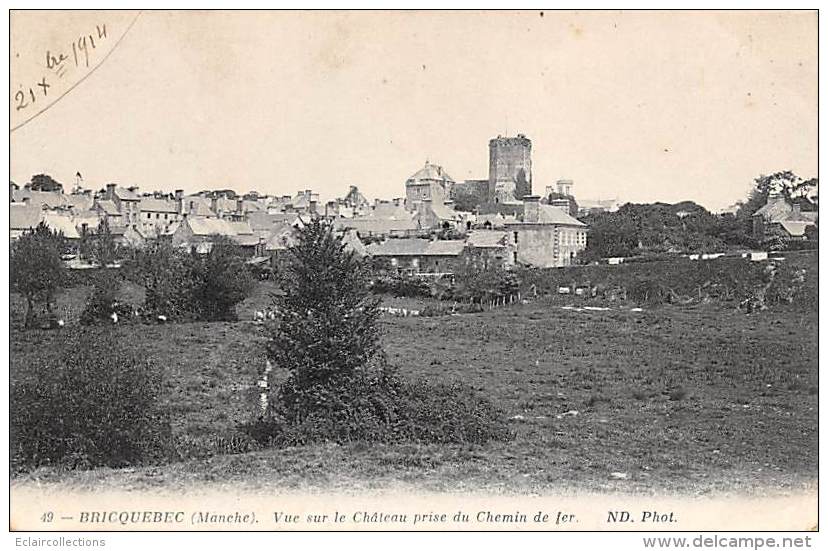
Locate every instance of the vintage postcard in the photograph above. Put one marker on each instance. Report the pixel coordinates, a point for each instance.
(413, 271)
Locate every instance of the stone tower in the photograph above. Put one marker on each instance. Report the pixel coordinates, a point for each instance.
(510, 168)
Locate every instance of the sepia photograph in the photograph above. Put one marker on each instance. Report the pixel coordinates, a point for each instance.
(413, 270)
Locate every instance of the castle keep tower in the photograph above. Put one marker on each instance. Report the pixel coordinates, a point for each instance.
(510, 168)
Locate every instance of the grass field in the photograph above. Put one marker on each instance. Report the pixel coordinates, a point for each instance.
(691, 400)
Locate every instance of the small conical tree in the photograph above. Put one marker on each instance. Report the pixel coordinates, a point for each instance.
(328, 332)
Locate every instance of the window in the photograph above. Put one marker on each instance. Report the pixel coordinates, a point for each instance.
(516, 237)
(157, 215)
(514, 256)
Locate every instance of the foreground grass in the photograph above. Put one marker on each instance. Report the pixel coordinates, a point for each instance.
(684, 400)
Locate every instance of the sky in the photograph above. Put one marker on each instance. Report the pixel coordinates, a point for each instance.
(638, 106)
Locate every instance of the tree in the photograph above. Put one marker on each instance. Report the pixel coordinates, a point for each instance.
(35, 268)
(339, 387)
(220, 280)
(44, 182)
(328, 328)
(165, 274)
(104, 250)
(573, 205)
(789, 185)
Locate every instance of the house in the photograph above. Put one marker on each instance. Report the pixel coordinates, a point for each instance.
(122, 206)
(490, 249)
(157, 213)
(778, 217)
(23, 217)
(194, 231)
(436, 215)
(386, 219)
(128, 236)
(52, 199)
(420, 255)
(546, 236)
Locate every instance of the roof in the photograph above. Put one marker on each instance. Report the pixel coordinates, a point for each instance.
(61, 223)
(224, 204)
(153, 204)
(355, 197)
(209, 226)
(430, 172)
(125, 195)
(23, 216)
(240, 227)
(51, 199)
(497, 220)
(370, 224)
(487, 239)
(553, 215)
(197, 205)
(266, 221)
(795, 228)
(443, 212)
(775, 210)
(246, 240)
(417, 247)
(108, 207)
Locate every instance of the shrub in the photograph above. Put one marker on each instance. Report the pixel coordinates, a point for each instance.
(220, 281)
(103, 301)
(184, 286)
(377, 406)
(97, 405)
(164, 272)
(400, 285)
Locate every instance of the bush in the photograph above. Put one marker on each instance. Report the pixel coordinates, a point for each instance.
(400, 285)
(103, 301)
(220, 281)
(97, 405)
(377, 406)
(186, 286)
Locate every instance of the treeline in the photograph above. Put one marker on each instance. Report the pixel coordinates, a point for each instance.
(178, 285)
(647, 229)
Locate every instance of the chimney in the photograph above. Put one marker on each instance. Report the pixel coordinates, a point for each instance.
(110, 192)
(797, 208)
(531, 209)
(213, 205)
(179, 201)
(564, 187)
(240, 206)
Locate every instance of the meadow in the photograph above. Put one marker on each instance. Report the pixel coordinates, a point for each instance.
(692, 399)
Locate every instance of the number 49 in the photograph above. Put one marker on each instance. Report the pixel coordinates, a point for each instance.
(48, 516)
